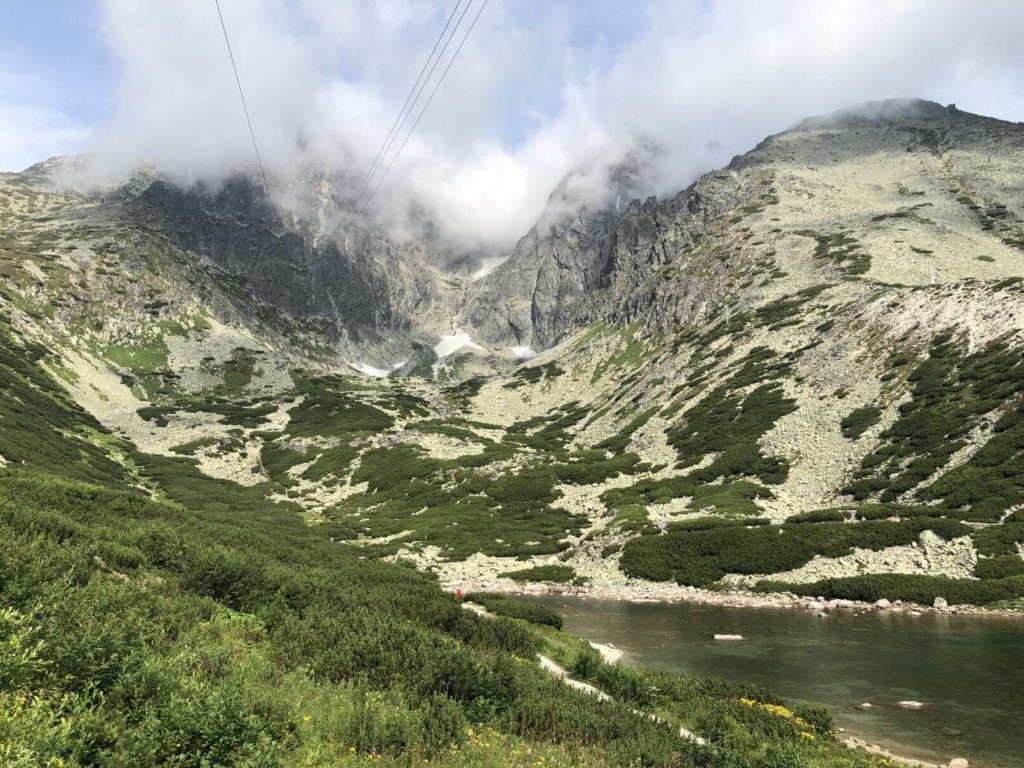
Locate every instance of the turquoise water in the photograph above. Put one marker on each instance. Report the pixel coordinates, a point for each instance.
(969, 671)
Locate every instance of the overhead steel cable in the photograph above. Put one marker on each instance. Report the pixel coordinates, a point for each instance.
(419, 93)
(245, 108)
(427, 104)
(394, 126)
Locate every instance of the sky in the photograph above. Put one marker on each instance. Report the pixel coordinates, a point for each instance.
(540, 89)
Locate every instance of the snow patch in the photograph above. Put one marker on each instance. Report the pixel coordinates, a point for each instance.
(488, 265)
(379, 373)
(523, 353)
(370, 370)
(448, 345)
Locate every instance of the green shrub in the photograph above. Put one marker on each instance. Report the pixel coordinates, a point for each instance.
(820, 718)
(503, 605)
(909, 588)
(620, 682)
(558, 574)
(782, 757)
(859, 421)
(727, 423)
(843, 250)
(1001, 539)
(999, 567)
(951, 393)
(700, 556)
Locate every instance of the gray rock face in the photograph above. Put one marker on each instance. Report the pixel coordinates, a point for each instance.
(533, 298)
(234, 228)
(667, 263)
(610, 265)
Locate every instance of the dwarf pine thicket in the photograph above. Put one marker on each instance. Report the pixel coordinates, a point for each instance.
(215, 627)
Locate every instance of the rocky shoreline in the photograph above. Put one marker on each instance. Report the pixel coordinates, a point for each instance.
(853, 742)
(654, 592)
(670, 593)
(612, 655)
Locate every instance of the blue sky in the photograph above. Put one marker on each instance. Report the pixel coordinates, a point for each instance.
(55, 58)
(56, 79)
(56, 44)
(542, 88)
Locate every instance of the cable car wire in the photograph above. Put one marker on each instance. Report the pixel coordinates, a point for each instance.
(427, 104)
(394, 126)
(245, 108)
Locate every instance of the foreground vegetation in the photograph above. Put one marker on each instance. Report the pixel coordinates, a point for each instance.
(142, 633)
(151, 615)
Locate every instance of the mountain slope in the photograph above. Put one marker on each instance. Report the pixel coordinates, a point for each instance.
(157, 615)
(804, 367)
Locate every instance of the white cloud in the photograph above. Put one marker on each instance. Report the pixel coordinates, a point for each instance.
(535, 93)
(29, 134)
(30, 129)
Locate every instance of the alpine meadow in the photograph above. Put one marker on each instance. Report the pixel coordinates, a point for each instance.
(295, 462)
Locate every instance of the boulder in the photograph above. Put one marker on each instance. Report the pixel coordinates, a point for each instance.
(883, 604)
(910, 704)
(959, 762)
(940, 604)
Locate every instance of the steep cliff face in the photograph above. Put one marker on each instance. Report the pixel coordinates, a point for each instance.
(892, 192)
(610, 264)
(534, 298)
(339, 283)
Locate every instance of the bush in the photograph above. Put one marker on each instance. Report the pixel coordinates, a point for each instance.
(728, 423)
(910, 588)
(782, 757)
(620, 682)
(700, 556)
(819, 717)
(999, 567)
(515, 609)
(558, 574)
(859, 421)
(993, 540)
(951, 393)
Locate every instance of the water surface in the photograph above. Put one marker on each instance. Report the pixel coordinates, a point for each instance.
(968, 670)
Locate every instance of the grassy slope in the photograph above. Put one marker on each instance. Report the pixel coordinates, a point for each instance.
(216, 628)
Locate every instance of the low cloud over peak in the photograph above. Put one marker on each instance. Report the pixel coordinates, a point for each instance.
(539, 90)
